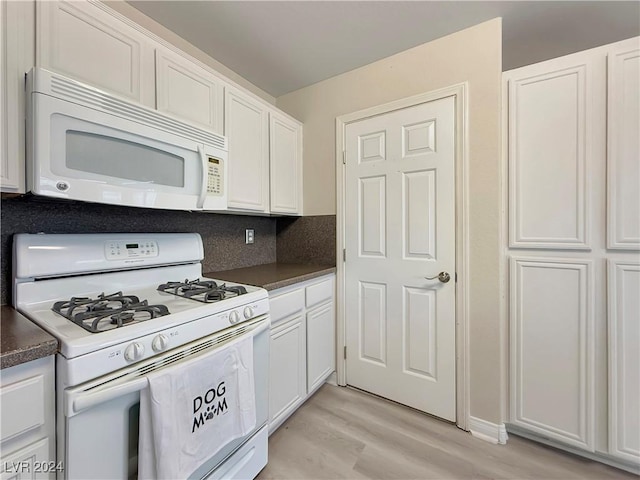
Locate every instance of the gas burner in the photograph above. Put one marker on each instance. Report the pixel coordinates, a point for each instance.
(205, 291)
(108, 311)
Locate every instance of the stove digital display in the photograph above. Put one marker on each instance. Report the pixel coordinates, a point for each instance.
(116, 250)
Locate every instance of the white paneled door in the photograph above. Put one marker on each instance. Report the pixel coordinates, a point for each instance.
(624, 359)
(400, 228)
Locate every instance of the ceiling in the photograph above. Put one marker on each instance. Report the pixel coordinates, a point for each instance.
(281, 46)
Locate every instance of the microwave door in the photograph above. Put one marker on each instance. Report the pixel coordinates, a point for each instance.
(79, 153)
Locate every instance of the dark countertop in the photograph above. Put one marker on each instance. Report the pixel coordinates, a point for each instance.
(21, 340)
(273, 275)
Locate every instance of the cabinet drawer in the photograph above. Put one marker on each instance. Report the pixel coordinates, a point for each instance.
(285, 305)
(319, 292)
(23, 396)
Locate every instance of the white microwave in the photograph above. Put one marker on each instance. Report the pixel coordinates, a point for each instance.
(86, 144)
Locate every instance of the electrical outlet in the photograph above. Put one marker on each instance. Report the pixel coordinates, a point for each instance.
(248, 235)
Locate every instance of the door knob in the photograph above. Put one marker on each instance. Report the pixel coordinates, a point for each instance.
(444, 277)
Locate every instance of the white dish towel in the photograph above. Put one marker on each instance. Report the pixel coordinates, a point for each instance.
(191, 410)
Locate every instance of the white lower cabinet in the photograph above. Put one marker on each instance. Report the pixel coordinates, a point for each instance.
(302, 344)
(320, 345)
(27, 421)
(287, 375)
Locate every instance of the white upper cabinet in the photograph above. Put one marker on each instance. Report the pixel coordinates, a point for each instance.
(623, 156)
(285, 155)
(90, 42)
(85, 41)
(246, 128)
(188, 91)
(17, 38)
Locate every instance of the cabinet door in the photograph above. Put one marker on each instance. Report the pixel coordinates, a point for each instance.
(27, 420)
(623, 167)
(285, 157)
(89, 42)
(552, 348)
(555, 135)
(16, 52)
(287, 370)
(245, 122)
(188, 91)
(20, 465)
(320, 345)
(624, 359)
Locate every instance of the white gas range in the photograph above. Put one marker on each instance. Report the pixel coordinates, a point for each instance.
(123, 306)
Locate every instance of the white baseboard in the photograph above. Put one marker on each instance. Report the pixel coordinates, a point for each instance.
(487, 431)
(597, 456)
(333, 379)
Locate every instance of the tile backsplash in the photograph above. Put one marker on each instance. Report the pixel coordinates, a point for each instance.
(222, 234)
(307, 240)
(284, 239)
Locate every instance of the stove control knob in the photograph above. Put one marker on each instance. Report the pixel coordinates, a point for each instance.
(160, 342)
(134, 352)
(248, 312)
(234, 317)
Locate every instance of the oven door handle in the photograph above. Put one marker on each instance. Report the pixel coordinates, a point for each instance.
(79, 400)
(85, 401)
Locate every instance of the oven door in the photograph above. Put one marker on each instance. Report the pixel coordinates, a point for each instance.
(80, 153)
(100, 418)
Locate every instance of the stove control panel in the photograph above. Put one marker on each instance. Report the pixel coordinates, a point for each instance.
(122, 250)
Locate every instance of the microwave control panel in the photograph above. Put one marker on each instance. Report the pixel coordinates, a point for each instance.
(121, 250)
(215, 182)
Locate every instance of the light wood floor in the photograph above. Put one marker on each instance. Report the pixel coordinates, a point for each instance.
(344, 433)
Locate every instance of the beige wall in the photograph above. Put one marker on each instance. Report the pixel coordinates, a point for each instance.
(472, 55)
(154, 27)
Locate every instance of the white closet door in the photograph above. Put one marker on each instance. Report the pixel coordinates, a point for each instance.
(552, 348)
(624, 359)
(623, 162)
(556, 144)
(551, 152)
